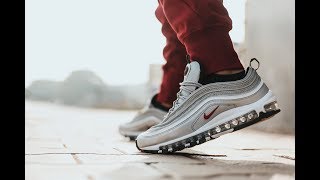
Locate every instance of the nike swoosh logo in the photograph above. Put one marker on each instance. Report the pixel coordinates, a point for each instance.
(210, 114)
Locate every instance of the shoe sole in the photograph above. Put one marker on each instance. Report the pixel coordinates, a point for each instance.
(233, 125)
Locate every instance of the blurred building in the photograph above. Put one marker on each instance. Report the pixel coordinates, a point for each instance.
(270, 37)
(155, 77)
(85, 89)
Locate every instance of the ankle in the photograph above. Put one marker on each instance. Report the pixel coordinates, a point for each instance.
(227, 72)
(160, 105)
(223, 76)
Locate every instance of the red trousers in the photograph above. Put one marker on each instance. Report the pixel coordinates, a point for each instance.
(199, 28)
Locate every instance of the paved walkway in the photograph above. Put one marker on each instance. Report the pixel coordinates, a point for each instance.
(66, 143)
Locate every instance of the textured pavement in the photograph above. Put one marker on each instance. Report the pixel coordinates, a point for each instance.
(84, 144)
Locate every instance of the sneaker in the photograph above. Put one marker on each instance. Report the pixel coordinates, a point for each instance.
(151, 115)
(204, 112)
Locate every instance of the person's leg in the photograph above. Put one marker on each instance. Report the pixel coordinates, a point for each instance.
(217, 96)
(174, 53)
(203, 27)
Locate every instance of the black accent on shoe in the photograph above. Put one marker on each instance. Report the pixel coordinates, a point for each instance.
(258, 65)
(132, 138)
(188, 58)
(158, 105)
(212, 78)
(186, 69)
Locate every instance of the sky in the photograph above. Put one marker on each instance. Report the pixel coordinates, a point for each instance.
(115, 39)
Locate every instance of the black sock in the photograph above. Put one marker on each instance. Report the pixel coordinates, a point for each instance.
(212, 78)
(158, 105)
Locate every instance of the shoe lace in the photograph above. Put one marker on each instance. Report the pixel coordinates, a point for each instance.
(186, 88)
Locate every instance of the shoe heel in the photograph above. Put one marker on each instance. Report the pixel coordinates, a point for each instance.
(270, 109)
(273, 106)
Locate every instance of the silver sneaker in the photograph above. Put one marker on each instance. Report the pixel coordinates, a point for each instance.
(204, 112)
(147, 117)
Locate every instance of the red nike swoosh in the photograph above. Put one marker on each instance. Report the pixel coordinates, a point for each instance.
(209, 115)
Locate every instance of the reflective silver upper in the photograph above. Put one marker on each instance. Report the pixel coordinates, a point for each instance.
(181, 122)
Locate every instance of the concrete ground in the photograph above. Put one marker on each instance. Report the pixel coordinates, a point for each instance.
(84, 144)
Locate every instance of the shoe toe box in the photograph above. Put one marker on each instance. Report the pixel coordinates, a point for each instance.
(144, 140)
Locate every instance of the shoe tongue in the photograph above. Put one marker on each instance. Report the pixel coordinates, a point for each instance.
(192, 72)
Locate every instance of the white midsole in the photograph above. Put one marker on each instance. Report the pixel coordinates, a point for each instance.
(224, 117)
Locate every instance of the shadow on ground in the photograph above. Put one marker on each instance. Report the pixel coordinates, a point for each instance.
(198, 165)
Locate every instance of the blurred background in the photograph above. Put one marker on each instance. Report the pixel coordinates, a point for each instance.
(108, 54)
